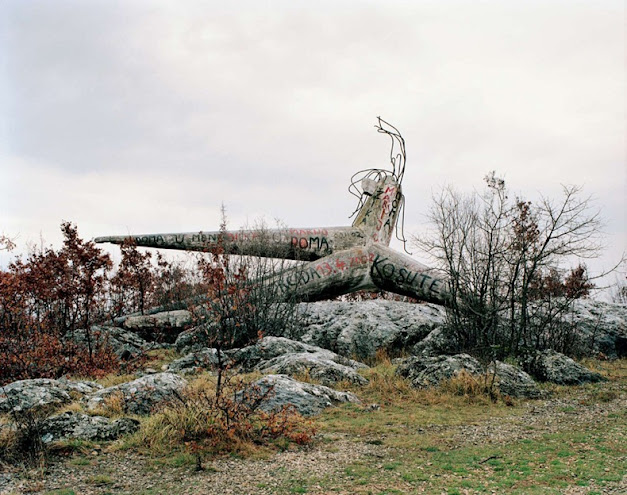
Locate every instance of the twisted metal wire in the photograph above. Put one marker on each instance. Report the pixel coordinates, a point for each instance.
(398, 161)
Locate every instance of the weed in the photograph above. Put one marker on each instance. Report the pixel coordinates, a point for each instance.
(156, 358)
(22, 442)
(100, 480)
(80, 461)
(72, 445)
(382, 357)
(115, 379)
(201, 422)
(472, 388)
(112, 406)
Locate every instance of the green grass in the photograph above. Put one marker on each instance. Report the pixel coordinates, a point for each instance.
(421, 441)
(80, 461)
(544, 465)
(100, 480)
(417, 428)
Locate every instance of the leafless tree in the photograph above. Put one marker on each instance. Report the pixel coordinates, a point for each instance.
(6, 243)
(618, 293)
(505, 260)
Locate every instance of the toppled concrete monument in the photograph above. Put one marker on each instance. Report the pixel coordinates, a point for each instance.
(340, 259)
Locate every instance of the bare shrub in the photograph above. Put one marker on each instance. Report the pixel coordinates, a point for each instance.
(204, 422)
(505, 263)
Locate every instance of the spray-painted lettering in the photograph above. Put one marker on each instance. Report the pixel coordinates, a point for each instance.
(383, 268)
(313, 243)
(149, 239)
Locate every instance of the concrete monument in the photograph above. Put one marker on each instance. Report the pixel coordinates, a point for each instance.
(337, 260)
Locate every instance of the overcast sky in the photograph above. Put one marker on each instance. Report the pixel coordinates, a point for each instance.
(144, 116)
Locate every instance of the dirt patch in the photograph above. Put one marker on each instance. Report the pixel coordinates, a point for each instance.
(131, 473)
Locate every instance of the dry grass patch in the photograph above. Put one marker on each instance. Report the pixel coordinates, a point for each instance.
(405, 415)
(112, 406)
(115, 379)
(157, 358)
(201, 422)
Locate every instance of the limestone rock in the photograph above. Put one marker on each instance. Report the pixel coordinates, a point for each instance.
(602, 327)
(362, 328)
(142, 395)
(308, 399)
(552, 366)
(195, 361)
(515, 382)
(42, 393)
(196, 338)
(434, 344)
(424, 371)
(279, 355)
(268, 348)
(82, 426)
(321, 366)
(26, 396)
(124, 343)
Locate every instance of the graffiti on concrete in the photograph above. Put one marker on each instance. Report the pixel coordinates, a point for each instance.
(339, 260)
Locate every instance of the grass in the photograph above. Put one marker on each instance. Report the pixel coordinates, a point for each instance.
(115, 379)
(405, 410)
(100, 480)
(551, 461)
(423, 453)
(430, 441)
(198, 422)
(159, 357)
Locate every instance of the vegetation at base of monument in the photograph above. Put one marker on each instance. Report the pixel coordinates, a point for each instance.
(432, 440)
(240, 304)
(619, 291)
(504, 259)
(22, 443)
(139, 284)
(438, 440)
(242, 301)
(47, 297)
(366, 295)
(50, 299)
(206, 419)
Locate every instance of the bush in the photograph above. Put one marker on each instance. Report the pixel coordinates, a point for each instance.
(205, 422)
(46, 297)
(23, 444)
(471, 387)
(504, 261)
(241, 302)
(51, 297)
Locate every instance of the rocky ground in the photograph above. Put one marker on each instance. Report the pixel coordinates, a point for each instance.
(362, 445)
(100, 471)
